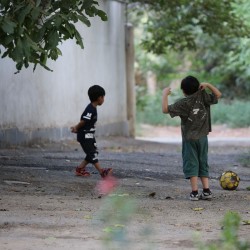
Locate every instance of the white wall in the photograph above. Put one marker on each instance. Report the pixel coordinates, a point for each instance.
(40, 105)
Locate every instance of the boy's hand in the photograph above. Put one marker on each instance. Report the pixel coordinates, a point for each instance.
(166, 91)
(203, 85)
(73, 129)
(214, 90)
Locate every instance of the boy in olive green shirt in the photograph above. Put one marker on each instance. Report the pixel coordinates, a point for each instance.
(194, 111)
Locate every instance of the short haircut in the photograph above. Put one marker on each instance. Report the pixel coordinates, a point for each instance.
(190, 85)
(95, 92)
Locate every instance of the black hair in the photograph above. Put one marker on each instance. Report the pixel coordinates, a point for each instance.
(95, 91)
(190, 85)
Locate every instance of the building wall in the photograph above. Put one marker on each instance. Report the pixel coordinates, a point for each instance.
(42, 105)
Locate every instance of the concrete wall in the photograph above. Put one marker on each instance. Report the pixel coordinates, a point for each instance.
(42, 105)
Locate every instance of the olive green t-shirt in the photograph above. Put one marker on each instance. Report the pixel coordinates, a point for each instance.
(194, 111)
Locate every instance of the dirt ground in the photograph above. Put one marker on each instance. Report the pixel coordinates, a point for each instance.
(43, 205)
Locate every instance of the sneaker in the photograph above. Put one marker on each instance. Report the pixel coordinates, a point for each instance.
(106, 172)
(194, 196)
(206, 195)
(81, 172)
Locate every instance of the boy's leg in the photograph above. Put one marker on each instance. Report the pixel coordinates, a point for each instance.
(194, 183)
(191, 166)
(90, 148)
(83, 164)
(204, 168)
(194, 196)
(80, 170)
(206, 193)
(103, 171)
(98, 167)
(190, 158)
(205, 182)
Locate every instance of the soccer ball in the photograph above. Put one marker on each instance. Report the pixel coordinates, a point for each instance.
(229, 180)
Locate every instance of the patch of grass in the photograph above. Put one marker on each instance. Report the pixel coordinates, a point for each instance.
(235, 114)
(149, 110)
(229, 239)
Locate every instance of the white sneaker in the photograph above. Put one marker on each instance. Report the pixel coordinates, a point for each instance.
(194, 197)
(206, 195)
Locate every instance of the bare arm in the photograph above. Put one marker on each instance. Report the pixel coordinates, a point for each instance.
(165, 93)
(214, 90)
(75, 128)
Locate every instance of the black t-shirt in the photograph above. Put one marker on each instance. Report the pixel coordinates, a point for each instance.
(89, 116)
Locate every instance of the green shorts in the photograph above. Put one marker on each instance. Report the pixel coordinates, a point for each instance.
(194, 155)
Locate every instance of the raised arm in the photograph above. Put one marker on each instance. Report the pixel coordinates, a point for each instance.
(214, 90)
(165, 93)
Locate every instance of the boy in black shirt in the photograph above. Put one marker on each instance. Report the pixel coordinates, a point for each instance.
(194, 111)
(85, 130)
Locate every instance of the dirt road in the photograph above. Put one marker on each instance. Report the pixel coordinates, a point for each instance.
(44, 206)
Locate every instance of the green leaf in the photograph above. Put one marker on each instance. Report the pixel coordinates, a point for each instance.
(23, 13)
(57, 20)
(59, 52)
(17, 53)
(53, 54)
(79, 39)
(70, 28)
(38, 34)
(84, 20)
(65, 32)
(19, 66)
(53, 40)
(32, 44)
(8, 26)
(43, 58)
(7, 40)
(35, 13)
(26, 48)
(26, 63)
(102, 15)
(5, 54)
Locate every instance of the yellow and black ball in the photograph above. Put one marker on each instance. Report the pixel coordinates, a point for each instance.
(229, 180)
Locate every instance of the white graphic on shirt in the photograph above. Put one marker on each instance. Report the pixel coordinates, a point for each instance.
(88, 116)
(196, 111)
(89, 136)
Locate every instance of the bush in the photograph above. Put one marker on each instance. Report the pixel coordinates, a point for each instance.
(229, 237)
(149, 110)
(235, 113)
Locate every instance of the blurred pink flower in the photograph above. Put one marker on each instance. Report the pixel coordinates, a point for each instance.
(106, 185)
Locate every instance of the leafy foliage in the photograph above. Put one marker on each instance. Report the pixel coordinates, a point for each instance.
(31, 30)
(175, 24)
(215, 35)
(149, 111)
(229, 237)
(227, 60)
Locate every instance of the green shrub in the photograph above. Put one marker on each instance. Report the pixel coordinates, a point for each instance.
(234, 113)
(149, 110)
(229, 239)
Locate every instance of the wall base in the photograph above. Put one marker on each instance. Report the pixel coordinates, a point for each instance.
(14, 136)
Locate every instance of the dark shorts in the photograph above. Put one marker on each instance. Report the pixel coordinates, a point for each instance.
(90, 149)
(194, 155)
